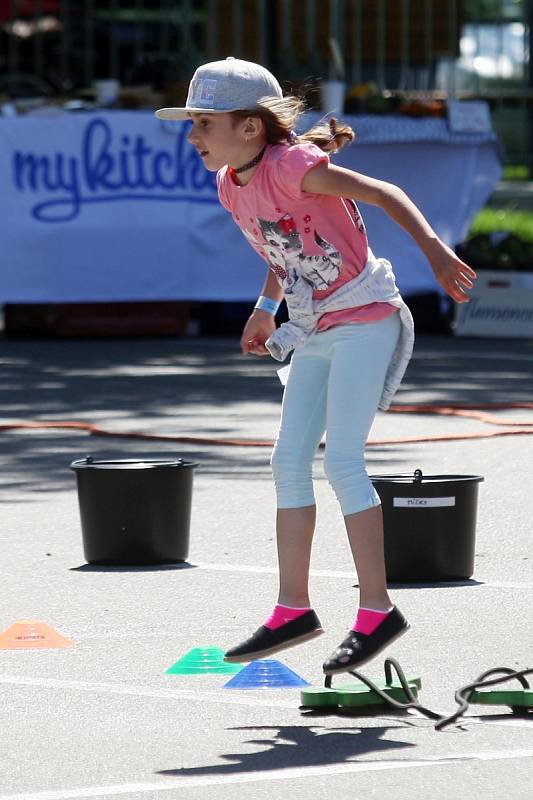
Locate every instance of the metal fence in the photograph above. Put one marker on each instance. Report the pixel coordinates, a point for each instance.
(56, 48)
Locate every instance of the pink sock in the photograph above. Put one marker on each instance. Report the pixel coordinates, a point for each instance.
(283, 614)
(368, 620)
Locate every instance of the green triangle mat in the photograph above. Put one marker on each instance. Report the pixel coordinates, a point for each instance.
(355, 695)
(519, 698)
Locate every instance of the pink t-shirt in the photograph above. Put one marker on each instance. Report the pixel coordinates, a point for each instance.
(316, 236)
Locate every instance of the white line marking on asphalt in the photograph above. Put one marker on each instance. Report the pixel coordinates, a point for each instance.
(201, 696)
(327, 573)
(145, 691)
(320, 573)
(261, 776)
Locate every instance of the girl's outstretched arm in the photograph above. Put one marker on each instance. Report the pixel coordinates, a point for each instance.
(453, 274)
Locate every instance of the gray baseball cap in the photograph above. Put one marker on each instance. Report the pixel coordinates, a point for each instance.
(222, 86)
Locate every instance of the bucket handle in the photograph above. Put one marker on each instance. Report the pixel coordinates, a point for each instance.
(89, 461)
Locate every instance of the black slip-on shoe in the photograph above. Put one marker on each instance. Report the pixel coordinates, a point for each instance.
(358, 648)
(265, 641)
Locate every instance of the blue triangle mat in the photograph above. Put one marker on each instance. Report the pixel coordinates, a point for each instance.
(265, 673)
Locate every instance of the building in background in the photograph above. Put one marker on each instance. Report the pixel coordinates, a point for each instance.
(75, 266)
(436, 48)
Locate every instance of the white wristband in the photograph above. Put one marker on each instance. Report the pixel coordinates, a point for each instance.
(267, 304)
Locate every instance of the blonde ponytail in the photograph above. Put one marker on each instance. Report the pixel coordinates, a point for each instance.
(329, 136)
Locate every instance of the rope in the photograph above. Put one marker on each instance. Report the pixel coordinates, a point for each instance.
(412, 701)
(462, 695)
(513, 428)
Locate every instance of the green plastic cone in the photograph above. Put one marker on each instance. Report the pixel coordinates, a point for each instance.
(202, 661)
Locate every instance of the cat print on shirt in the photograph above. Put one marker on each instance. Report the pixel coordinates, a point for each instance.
(283, 247)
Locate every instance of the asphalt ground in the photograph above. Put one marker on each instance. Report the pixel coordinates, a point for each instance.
(102, 719)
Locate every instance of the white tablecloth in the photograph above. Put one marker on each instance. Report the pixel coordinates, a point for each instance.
(117, 206)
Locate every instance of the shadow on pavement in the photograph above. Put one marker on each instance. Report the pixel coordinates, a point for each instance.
(144, 568)
(436, 584)
(202, 387)
(300, 746)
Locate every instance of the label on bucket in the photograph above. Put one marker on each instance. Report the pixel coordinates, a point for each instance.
(422, 502)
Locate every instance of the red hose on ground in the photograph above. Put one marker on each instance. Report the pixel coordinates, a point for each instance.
(516, 428)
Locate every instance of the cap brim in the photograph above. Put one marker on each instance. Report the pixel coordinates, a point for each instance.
(183, 113)
(172, 113)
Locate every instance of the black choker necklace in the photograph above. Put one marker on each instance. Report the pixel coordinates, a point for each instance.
(250, 164)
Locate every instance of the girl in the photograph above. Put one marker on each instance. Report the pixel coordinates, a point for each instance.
(350, 329)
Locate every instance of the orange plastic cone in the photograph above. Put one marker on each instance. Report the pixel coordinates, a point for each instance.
(31, 633)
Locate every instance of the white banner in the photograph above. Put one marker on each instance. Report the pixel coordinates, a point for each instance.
(117, 206)
(501, 305)
(113, 206)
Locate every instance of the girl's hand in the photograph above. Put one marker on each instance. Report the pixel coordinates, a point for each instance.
(260, 327)
(455, 277)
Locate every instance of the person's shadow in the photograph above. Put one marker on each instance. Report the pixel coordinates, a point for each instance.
(299, 746)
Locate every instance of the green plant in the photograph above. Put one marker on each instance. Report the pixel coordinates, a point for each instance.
(516, 172)
(489, 220)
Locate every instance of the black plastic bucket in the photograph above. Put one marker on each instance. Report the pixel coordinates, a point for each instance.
(134, 512)
(430, 525)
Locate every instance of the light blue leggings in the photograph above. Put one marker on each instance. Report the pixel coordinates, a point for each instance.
(335, 383)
